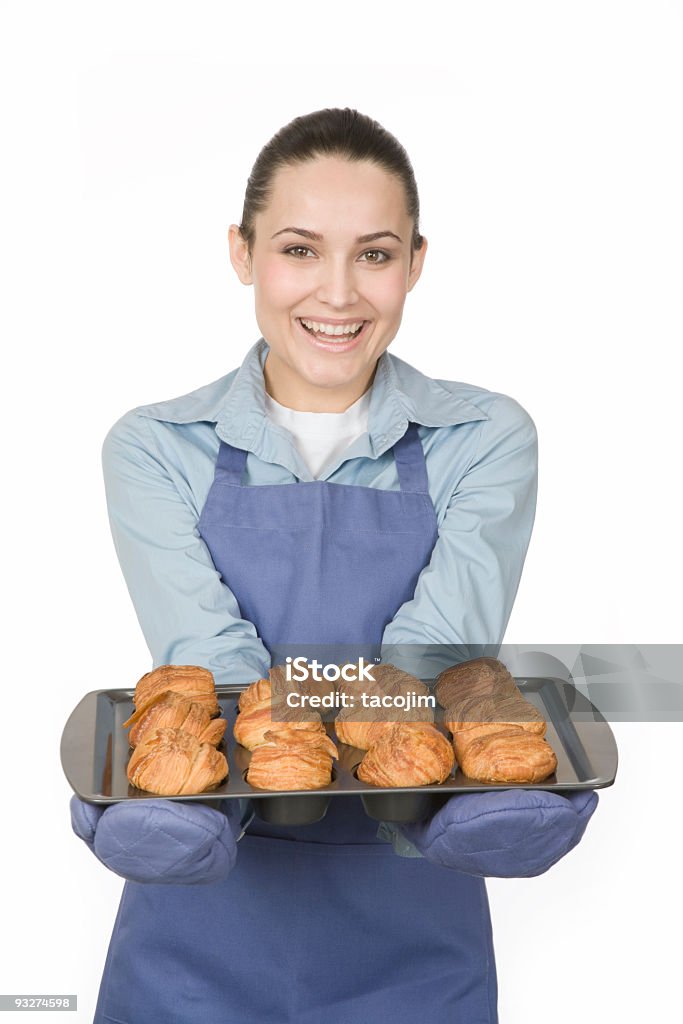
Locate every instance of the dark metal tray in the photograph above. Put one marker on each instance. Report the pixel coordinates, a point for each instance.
(94, 753)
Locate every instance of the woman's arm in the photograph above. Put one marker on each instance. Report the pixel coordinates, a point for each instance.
(464, 597)
(463, 601)
(187, 614)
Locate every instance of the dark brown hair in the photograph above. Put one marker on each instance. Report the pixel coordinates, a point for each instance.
(329, 132)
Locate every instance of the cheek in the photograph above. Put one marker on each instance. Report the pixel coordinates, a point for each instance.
(389, 293)
(277, 285)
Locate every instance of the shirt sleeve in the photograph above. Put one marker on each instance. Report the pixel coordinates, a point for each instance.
(464, 596)
(187, 614)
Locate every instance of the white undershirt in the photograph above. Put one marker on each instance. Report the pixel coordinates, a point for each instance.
(321, 437)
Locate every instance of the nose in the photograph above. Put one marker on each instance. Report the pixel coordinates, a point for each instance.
(336, 285)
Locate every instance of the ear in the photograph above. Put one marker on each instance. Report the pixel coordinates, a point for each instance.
(418, 261)
(239, 254)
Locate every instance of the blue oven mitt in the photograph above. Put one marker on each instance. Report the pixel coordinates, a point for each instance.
(163, 841)
(510, 833)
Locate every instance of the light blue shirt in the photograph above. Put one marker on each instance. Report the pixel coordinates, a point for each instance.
(481, 453)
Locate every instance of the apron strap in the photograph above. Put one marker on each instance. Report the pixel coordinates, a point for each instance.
(230, 464)
(410, 462)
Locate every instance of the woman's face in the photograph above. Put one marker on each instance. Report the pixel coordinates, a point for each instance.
(315, 271)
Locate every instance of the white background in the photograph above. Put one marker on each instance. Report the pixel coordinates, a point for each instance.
(546, 140)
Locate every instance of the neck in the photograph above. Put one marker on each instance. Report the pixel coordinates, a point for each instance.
(290, 390)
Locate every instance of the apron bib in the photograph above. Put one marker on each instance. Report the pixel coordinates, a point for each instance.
(323, 923)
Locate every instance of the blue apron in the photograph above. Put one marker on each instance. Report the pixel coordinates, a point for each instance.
(324, 923)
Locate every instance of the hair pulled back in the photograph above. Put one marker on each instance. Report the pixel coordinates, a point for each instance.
(330, 132)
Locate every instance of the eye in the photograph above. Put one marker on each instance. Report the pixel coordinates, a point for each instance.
(296, 250)
(385, 256)
(377, 256)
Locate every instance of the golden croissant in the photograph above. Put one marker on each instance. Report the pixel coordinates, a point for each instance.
(508, 709)
(278, 686)
(292, 759)
(408, 754)
(252, 725)
(481, 717)
(387, 681)
(510, 755)
(481, 677)
(172, 762)
(189, 680)
(174, 711)
(484, 702)
(255, 692)
(281, 685)
(361, 726)
(359, 734)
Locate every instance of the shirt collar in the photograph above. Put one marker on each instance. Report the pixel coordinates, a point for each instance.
(400, 394)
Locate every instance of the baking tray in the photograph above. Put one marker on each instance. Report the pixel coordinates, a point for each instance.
(94, 753)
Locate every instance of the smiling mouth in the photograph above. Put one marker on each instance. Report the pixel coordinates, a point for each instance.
(325, 336)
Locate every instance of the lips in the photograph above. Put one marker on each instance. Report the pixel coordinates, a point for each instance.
(345, 335)
(333, 343)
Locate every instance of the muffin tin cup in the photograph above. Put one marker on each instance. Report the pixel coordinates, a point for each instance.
(95, 752)
(292, 810)
(402, 807)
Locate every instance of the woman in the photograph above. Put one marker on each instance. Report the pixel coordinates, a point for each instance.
(407, 524)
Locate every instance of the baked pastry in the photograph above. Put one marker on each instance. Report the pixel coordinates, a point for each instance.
(292, 759)
(174, 711)
(476, 717)
(480, 677)
(407, 754)
(505, 710)
(387, 681)
(361, 726)
(309, 685)
(273, 714)
(277, 685)
(254, 693)
(172, 762)
(189, 680)
(510, 755)
(358, 734)
(483, 702)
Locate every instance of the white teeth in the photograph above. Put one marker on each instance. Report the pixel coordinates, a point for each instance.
(332, 329)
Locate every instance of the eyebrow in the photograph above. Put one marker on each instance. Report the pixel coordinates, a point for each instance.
(315, 237)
